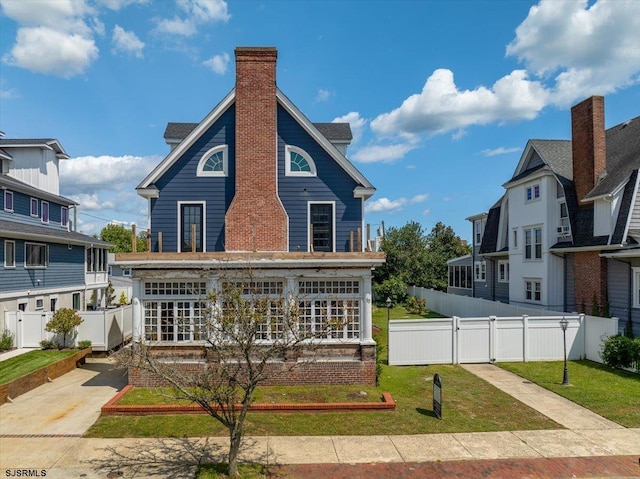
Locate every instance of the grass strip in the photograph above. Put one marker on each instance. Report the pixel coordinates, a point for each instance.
(18, 366)
(611, 393)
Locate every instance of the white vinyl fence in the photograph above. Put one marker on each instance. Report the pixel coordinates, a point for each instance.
(106, 329)
(483, 336)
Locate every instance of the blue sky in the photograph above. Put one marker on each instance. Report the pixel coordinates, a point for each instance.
(442, 96)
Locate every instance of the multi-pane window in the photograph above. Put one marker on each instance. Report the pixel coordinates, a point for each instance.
(479, 271)
(44, 210)
(175, 288)
(533, 290)
(329, 287)
(503, 271)
(298, 162)
(214, 162)
(8, 201)
(191, 229)
(9, 254)
(564, 228)
(330, 318)
(36, 255)
(533, 243)
(477, 231)
(532, 192)
(460, 276)
(34, 207)
(321, 225)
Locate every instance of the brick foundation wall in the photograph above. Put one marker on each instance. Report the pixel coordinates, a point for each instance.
(256, 220)
(590, 272)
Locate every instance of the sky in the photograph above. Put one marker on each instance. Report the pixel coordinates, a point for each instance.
(441, 96)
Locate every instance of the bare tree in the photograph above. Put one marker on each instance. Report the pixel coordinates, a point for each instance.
(246, 326)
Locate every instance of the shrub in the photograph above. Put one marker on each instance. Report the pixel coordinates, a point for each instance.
(48, 344)
(123, 299)
(64, 321)
(84, 344)
(621, 352)
(6, 340)
(416, 306)
(393, 288)
(628, 329)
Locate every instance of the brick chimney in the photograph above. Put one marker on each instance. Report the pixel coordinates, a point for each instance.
(588, 144)
(256, 219)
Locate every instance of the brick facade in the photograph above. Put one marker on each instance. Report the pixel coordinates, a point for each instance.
(256, 219)
(590, 272)
(588, 144)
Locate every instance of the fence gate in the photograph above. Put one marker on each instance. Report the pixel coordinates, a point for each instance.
(475, 338)
(31, 326)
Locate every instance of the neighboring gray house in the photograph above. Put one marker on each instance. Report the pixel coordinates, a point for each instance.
(565, 236)
(44, 264)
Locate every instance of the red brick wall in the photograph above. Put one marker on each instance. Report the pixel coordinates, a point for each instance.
(256, 220)
(588, 144)
(590, 277)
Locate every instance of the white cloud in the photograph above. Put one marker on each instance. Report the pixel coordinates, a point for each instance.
(592, 49)
(500, 151)
(323, 95)
(44, 50)
(383, 153)
(127, 42)
(356, 122)
(197, 12)
(91, 202)
(387, 205)
(88, 174)
(61, 14)
(120, 4)
(426, 212)
(218, 63)
(442, 107)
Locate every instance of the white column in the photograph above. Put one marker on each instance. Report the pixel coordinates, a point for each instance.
(365, 316)
(136, 312)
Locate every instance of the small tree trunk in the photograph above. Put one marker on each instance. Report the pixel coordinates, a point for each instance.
(234, 449)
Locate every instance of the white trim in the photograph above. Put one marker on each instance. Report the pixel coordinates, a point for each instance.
(288, 149)
(42, 208)
(533, 229)
(225, 162)
(333, 226)
(480, 275)
(7, 194)
(636, 287)
(33, 201)
(46, 254)
(503, 278)
(62, 209)
(533, 282)
(67, 289)
(532, 188)
(6, 266)
(39, 298)
(204, 224)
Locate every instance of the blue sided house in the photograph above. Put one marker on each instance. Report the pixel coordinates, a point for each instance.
(255, 186)
(44, 264)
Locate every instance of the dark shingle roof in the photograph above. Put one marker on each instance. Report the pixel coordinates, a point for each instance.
(556, 154)
(623, 156)
(11, 229)
(491, 230)
(340, 132)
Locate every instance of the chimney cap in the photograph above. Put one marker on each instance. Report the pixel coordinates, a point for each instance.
(256, 51)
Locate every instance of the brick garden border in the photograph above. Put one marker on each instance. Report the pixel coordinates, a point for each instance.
(30, 381)
(111, 408)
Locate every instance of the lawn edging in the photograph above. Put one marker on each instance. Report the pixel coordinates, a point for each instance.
(21, 385)
(111, 408)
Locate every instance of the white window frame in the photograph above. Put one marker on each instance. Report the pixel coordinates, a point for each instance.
(534, 190)
(514, 237)
(204, 224)
(8, 194)
(35, 212)
(44, 206)
(503, 271)
(126, 272)
(478, 231)
(480, 271)
(64, 216)
(333, 225)
(225, 162)
(46, 254)
(288, 149)
(6, 265)
(563, 221)
(533, 282)
(533, 256)
(636, 287)
(39, 303)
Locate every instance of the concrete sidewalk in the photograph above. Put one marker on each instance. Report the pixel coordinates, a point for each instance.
(42, 430)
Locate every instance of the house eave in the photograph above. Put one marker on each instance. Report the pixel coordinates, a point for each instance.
(579, 249)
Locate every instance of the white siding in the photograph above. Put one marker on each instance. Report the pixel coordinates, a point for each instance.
(602, 218)
(36, 167)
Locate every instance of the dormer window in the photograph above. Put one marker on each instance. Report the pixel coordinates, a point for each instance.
(214, 162)
(299, 162)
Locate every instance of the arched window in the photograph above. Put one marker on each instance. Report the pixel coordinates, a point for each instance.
(214, 162)
(298, 162)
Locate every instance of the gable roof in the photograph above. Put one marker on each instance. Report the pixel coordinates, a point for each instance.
(45, 143)
(365, 189)
(553, 154)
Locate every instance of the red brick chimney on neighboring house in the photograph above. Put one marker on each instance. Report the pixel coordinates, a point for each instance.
(589, 162)
(588, 144)
(256, 219)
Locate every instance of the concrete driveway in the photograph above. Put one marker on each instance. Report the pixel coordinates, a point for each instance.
(67, 406)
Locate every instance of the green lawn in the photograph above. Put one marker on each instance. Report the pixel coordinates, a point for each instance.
(611, 393)
(18, 366)
(469, 404)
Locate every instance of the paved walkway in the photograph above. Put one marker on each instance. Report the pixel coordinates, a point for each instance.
(42, 430)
